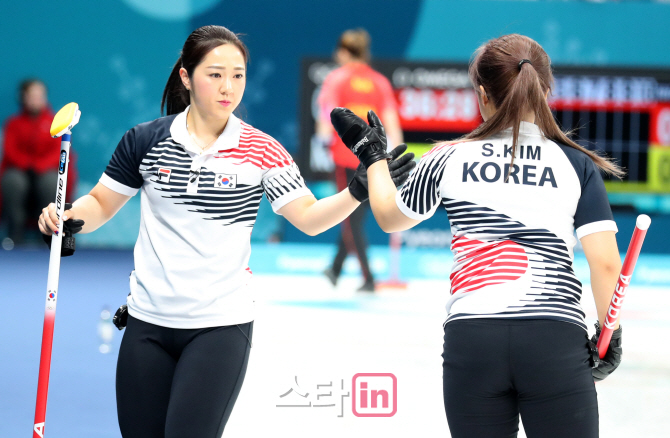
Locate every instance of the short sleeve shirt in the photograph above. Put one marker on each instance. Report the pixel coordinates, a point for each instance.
(513, 225)
(198, 211)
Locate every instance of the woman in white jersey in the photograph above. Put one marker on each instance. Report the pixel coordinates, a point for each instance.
(202, 173)
(516, 189)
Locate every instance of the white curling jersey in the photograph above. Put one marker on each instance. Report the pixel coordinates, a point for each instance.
(512, 241)
(198, 210)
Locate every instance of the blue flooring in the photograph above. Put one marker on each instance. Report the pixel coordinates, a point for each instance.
(81, 392)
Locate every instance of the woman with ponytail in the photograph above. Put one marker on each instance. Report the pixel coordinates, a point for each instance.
(516, 190)
(202, 173)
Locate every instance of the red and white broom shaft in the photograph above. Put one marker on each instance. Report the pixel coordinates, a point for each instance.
(52, 293)
(641, 226)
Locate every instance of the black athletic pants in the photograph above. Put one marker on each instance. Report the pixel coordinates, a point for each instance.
(352, 237)
(179, 383)
(496, 369)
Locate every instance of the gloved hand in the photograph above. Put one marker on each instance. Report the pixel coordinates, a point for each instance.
(606, 366)
(399, 168)
(367, 142)
(70, 228)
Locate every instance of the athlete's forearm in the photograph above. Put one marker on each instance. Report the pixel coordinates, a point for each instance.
(96, 208)
(602, 254)
(382, 196)
(315, 217)
(89, 209)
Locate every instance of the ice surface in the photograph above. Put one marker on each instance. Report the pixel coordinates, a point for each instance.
(304, 329)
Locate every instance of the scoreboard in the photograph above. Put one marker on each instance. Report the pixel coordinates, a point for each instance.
(622, 112)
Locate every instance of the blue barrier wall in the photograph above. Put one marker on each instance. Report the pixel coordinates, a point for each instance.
(572, 32)
(113, 57)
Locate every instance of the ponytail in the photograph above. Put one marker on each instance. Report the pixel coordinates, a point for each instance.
(551, 130)
(175, 95)
(516, 89)
(198, 44)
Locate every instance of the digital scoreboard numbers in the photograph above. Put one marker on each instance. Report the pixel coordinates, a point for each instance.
(434, 100)
(623, 113)
(437, 110)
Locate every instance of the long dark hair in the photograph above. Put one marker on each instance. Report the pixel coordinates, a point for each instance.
(198, 44)
(517, 88)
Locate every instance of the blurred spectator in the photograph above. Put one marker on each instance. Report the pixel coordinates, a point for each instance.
(354, 85)
(29, 167)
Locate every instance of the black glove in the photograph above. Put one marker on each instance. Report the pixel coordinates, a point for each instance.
(70, 228)
(367, 142)
(399, 169)
(606, 366)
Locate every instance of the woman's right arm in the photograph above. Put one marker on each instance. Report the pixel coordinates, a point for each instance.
(604, 260)
(383, 200)
(96, 208)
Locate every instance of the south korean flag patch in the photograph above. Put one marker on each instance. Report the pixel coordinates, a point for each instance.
(225, 181)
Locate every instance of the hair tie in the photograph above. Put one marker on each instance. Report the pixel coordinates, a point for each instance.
(523, 61)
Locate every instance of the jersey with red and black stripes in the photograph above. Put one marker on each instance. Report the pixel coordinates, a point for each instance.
(513, 224)
(198, 211)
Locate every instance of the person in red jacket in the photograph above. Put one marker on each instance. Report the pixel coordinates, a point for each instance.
(29, 167)
(354, 85)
